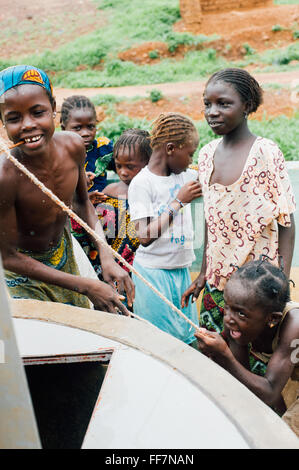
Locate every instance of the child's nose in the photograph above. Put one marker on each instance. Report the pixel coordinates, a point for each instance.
(27, 122)
(213, 110)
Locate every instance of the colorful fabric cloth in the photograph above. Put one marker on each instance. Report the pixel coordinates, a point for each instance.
(211, 309)
(21, 75)
(172, 283)
(242, 218)
(119, 230)
(80, 234)
(99, 158)
(61, 258)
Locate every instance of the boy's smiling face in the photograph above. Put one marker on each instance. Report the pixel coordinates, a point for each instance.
(27, 114)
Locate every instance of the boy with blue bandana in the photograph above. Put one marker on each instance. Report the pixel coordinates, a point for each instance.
(35, 246)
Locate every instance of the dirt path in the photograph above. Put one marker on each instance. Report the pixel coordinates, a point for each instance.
(171, 89)
(32, 27)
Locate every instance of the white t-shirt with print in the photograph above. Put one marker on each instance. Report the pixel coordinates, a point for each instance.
(149, 196)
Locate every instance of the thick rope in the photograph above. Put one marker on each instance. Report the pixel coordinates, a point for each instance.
(89, 230)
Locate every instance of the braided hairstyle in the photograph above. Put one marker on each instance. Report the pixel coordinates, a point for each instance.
(134, 137)
(74, 102)
(271, 287)
(172, 127)
(245, 85)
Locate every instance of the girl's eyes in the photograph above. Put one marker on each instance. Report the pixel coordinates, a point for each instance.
(221, 103)
(242, 315)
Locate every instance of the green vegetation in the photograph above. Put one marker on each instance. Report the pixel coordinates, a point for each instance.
(249, 50)
(155, 95)
(277, 27)
(286, 2)
(154, 54)
(277, 60)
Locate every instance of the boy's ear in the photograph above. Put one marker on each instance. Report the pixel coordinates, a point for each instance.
(274, 318)
(54, 105)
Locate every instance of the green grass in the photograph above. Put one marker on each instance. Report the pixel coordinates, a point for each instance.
(274, 60)
(286, 2)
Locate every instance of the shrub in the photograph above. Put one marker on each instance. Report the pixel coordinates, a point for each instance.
(155, 95)
(154, 54)
(277, 27)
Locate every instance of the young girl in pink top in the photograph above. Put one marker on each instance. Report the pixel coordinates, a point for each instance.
(248, 199)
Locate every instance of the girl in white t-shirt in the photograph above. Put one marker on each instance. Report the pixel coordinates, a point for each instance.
(159, 198)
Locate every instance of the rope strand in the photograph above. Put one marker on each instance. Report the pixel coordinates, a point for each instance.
(89, 230)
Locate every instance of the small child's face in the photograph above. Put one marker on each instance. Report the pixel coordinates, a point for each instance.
(28, 115)
(83, 122)
(224, 109)
(182, 155)
(244, 318)
(128, 165)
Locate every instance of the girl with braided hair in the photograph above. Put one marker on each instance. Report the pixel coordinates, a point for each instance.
(260, 341)
(248, 198)
(78, 115)
(131, 153)
(159, 198)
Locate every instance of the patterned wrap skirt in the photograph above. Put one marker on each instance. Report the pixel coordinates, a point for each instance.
(61, 258)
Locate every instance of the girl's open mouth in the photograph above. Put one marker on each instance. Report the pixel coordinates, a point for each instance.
(235, 334)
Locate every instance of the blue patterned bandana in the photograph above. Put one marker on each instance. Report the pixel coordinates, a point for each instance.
(21, 75)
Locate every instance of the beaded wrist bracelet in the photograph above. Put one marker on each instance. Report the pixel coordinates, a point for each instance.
(180, 202)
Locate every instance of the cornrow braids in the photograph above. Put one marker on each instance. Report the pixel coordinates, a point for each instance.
(74, 102)
(269, 282)
(244, 83)
(172, 127)
(134, 137)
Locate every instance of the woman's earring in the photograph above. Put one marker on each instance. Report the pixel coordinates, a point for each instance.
(54, 114)
(245, 115)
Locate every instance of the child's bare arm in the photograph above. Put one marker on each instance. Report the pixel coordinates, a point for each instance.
(286, 242)
(279, 369)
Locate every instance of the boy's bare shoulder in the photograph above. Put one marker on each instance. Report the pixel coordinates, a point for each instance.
(7, 169)
(72, 143)
(9, 176)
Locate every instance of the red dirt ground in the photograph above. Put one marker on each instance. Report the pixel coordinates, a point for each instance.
(236, 28)
(31, 27)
